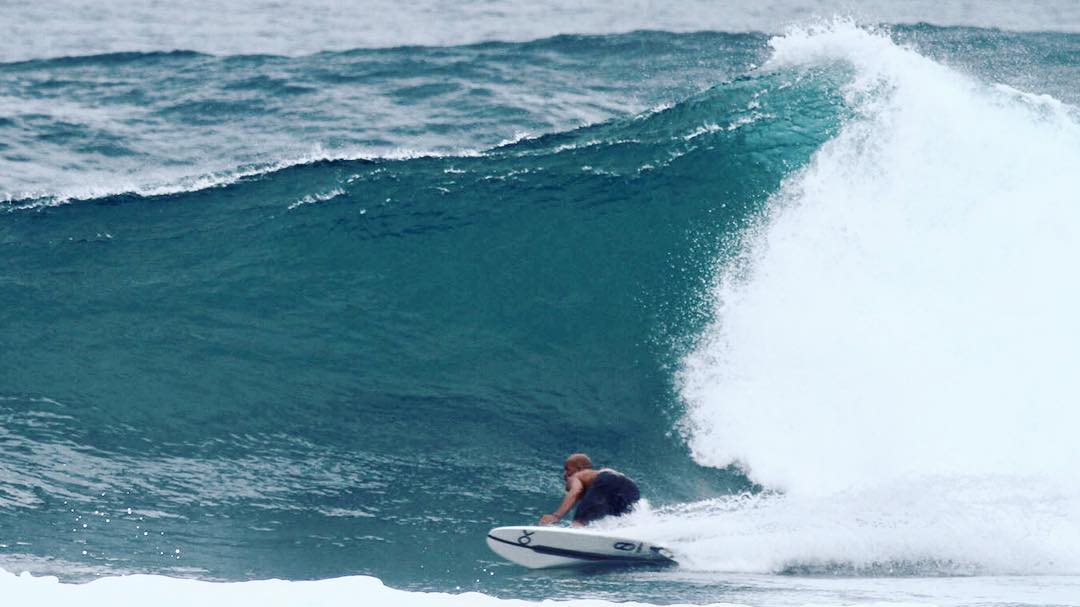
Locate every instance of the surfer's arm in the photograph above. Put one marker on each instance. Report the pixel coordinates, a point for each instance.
(573, 494)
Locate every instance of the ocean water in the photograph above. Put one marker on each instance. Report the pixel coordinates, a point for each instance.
(298, 301)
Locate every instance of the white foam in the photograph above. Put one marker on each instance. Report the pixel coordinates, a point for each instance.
(317, 198)
(140, 590)
(894, 347)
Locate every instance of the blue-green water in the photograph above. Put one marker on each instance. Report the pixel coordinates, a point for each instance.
(340, 313)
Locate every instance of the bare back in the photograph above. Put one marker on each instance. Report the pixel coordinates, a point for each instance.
(587, 476)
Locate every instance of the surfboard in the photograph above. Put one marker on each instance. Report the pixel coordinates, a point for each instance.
(543, 547)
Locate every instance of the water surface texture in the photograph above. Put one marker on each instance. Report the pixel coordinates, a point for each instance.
(326, 307)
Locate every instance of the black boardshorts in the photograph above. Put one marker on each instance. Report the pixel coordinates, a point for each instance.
(611, 494)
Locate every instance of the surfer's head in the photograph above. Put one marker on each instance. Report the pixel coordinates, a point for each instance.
(576, 463)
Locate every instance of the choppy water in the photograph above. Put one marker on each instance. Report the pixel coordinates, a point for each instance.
(309, 308)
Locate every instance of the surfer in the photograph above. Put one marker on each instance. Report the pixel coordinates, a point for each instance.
(597, 493)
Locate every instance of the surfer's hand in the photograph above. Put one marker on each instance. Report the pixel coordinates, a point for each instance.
(548, 519)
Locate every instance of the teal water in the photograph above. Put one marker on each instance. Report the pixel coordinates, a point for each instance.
(440, 327)
(338, 314)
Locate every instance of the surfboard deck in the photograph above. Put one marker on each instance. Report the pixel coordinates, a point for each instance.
(544, 547)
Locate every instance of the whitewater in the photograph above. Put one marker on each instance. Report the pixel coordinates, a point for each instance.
(864, 359)
(893, 342)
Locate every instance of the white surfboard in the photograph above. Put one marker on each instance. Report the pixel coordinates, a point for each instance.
(543, 547)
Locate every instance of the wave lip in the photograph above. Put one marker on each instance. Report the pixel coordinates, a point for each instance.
(198, 183)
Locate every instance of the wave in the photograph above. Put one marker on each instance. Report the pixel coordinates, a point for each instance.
(149, 122)
(662, 134)
(909, 279)
(891, 346)
(832, 260)
(168, 122)
(416, 317)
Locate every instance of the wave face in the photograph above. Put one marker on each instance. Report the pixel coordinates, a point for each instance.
(337, 315)
(362, 360)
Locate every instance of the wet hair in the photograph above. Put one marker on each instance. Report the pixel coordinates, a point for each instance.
(579, 461)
